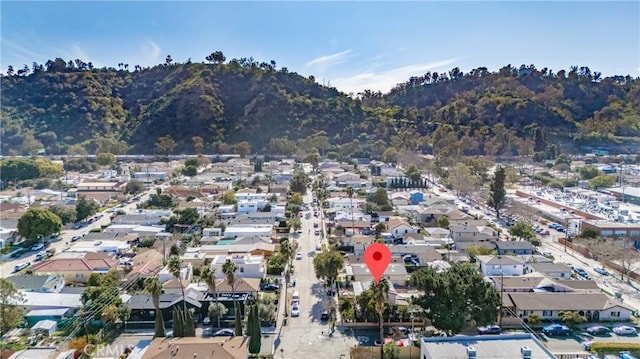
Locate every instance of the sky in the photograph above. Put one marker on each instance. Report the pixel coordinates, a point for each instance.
(351, 45)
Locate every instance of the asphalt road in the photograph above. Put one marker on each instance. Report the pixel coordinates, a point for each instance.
(305, 336)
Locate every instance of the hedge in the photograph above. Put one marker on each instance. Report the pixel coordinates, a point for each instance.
(615, 348)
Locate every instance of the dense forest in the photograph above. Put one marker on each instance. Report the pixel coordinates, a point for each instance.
(248, 106)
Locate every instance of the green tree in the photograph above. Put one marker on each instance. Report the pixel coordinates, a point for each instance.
(66, 214)
(154, 288)
(242, 148)
(380, 197)
(297, 199)
(443, 222)
(390, 155)
(313, 157)
(474, 251)
(390, 351)
(11, 313)
(18, 169)
(452, 297)
(217, 310)
(85, 208)
(589, 172)
(253, 330)
(134, 186)
(299, 182)
(328, 264)
(110, 314)
(380, 296)
(379, 228)
(229, 197)
(413, 173)
(522, 230)
(165, 145)
(229, 269)
(602, 181)
(190, 171)
(208, 274)
(105, 159)
(350, 195)
(295, 223)
(174, 264)
(571, 318)
(497, 193)
(37, 222)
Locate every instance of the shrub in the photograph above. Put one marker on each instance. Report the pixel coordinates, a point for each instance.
(614, 348)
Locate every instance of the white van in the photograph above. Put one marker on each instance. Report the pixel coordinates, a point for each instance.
(295, 297)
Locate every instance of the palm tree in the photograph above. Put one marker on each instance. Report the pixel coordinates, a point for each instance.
(229, 269)
(380, 293)
(154, 288)
(350, 194)
(175, 266)
(209, 275)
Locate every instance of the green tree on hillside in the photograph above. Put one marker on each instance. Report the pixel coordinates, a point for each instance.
(106, 159)
(11, 313)
(165, 145)
(85, 208)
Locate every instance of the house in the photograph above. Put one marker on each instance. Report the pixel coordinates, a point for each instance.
(249, 266)
(472, 233)
(396, 273)
(99, 246)
(38, 353)
(347, 179)
(536, 282)
(398, 227)
(500, 265)
(37, 283)
(511, 346)
(142, 309)
(36, 301)
(416, 197)
(198, 348)
(44, 327)
(551, 270)
(57, 315)
(76, 267)
(343, 204)
(514, 248)
(249, 230)
(400, 199)
(596, 307)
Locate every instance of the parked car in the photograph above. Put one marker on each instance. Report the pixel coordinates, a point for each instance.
(601, 270)
(20, 267)
(75, 238)
(37, 247)
(324, 316)
(41, 255)
(625, 330)
(299, 256)
(318, 247)
(556, 330)
(271, 287)
(225, 333)
(598, 330)
(490, 329)
(295, 310)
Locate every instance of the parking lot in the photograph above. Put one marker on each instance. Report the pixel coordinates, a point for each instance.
(573, 344)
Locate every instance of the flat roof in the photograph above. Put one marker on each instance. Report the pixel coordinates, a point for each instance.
(506, 346)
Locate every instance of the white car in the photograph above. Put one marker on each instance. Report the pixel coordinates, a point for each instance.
(318, 247)
(37, 247)
(295, 310)
(298, 256)
(625, 330)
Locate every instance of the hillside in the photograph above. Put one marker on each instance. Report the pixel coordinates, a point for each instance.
(71, 108)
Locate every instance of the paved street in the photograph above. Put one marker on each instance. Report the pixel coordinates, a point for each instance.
(303, 336)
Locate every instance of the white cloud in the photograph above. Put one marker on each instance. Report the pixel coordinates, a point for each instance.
(22, 52)
(327, 60)
(384, 81)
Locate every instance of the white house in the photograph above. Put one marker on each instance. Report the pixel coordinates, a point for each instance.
(398, 227)
(248, 231)
(249, 266)
(343, 203)
(500, 265)
(99, 246)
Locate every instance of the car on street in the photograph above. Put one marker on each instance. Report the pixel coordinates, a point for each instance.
(625, 330)
(41, 255)
(37, 247)
(598, 330)
(556, 330)
(490, 329)
(225, 333)
(318, 247)
(75, 238)
(324, 316)
(315, 224)
(295, 310)
(601, 270)
(21, 266)
(299, 256)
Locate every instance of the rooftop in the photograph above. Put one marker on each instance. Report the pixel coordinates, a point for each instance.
(506, 346)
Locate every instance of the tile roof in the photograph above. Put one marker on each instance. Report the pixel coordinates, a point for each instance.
(198, 348)
(74, 265)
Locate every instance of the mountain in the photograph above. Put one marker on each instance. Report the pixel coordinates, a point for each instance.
(71, 107)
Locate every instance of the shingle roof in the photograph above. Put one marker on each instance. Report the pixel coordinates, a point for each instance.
(562, 301)
(198, 348)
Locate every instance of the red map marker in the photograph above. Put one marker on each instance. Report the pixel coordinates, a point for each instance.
(377, 257)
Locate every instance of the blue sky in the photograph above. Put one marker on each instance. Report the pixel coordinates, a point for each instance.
(351, 45)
